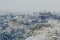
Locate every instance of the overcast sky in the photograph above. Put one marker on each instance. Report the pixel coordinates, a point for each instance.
(30, 5)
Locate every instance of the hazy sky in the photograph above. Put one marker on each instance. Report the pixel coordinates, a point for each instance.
(30, 5)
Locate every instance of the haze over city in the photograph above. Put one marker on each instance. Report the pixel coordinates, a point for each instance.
(29, 19)
(30, 5)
